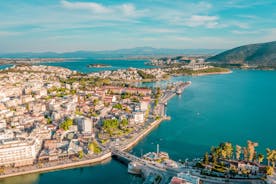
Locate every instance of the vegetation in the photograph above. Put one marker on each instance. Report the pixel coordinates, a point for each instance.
(269, 170)
(110, 124)
(124, 122)
(224, 152)
(135, 99)
(49, 120)
(260, 54)
(65, 125)
(125, 95)
(182, 71)
(94, 147)
(145, 75)
(118, 106)
(80, 154)
(271, 157)
(2, 170)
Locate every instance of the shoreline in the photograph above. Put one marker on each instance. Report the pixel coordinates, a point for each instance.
(212, 73)
(88, 162)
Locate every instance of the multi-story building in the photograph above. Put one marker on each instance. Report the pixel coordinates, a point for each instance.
(138, 117)
(85, 125)
(17, 152)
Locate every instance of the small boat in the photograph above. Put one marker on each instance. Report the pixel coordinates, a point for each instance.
(134, 168)
(178, 91)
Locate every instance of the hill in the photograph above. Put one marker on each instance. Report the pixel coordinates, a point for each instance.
(121, 53)
(263, 54)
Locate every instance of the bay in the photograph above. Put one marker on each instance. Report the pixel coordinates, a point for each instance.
(81, 65)
(234, 107)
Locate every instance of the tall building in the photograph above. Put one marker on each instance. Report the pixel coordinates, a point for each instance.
(84, 124)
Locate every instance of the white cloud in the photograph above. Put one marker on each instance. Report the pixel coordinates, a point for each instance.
(160, 30)
(242, 25)
(202, 20)
(238, 32)
(126, 9)
(95, 7)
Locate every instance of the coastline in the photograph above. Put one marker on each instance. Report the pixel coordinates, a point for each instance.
(212, 73)
(88, 162)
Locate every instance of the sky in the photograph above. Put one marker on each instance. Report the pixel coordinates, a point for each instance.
(70, 25)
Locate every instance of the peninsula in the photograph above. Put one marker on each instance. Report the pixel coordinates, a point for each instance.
(54, 118)
(164, 68)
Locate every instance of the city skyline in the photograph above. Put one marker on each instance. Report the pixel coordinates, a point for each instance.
(69, 25)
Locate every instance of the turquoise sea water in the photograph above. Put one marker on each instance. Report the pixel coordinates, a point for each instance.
(215, 108)
(81, 64)
(4, 66)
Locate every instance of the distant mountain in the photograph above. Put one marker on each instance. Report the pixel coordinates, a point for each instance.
(260, 54)
(121, 53)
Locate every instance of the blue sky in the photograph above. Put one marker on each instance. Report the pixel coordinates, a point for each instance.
(69, 25)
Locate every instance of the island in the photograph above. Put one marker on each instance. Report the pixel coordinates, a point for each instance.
(98, 66)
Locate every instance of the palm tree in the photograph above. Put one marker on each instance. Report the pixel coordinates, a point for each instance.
(251, 149)
(269, 156)
(245, 153)
(260, 158)
(228, 149)
(238, 152)
(274, 158)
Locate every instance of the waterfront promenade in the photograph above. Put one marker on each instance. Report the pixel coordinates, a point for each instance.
(69, 163)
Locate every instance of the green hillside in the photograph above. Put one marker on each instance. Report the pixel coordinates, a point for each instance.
(263, 54)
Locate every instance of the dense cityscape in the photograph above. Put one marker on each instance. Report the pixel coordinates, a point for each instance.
(137, 92)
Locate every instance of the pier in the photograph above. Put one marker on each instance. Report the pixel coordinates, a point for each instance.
(150, 171)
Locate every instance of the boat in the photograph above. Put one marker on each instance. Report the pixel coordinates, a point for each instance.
(134, 168)
(178, 91)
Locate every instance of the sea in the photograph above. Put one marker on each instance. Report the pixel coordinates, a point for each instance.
(232, 107)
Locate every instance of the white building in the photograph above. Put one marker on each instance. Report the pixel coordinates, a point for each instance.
(248, 166)
(3, 124)
(16, 152)
(138, 117)
(85, 125)
(6, 134)
(144, 105)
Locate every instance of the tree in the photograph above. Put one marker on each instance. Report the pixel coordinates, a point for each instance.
(65, 125)
(118, 106)
(269, 170)
(251, 149)
(274, 158)
(223, 153)
(238, 152)
(96, 102)
(124, 122)
(94, 147)
(206, 158)
(260, 158)
(245, 153)
(80, 153)
(2, 170)
(215, 157)
(269, 156)
(227, 149)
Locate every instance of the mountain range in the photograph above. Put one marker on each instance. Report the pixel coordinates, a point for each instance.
(121, 53)
(256, 54)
